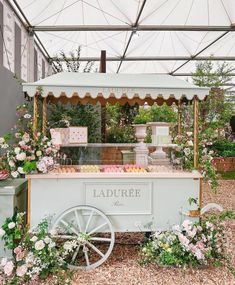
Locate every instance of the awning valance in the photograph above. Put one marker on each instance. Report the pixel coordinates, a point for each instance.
(100, 87)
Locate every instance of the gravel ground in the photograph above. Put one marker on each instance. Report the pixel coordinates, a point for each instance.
(122, 267)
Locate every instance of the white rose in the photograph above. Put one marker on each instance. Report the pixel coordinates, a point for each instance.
(21, 143)
(51, 244)
(14, 174)
(5, 145)
(47, 240)
(187, 151)
(53, 232)
(11, 225)
(189, 143)
(11, 163)
(27, 116)
(32, 157)
(2, 232)
(3, 261)
(8, 268)
(21, 156)
(189, 134)
(34, 238)
(17, 150)
(39, 245)
(2, 140)
(21, 170)
(38, 153)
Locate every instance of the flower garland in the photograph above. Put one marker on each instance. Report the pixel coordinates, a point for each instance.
(27, 153)
(183, 155)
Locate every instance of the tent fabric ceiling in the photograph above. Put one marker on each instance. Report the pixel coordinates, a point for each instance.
(136, 13)
(93, 87)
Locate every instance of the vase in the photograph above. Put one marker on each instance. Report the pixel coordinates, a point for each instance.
(141, 150)
(160, 136)
(140, 132)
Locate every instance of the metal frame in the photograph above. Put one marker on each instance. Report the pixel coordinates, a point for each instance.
(133, 29)
(151, 58)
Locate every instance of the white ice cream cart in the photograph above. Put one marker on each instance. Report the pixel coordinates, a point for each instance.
(89, 207)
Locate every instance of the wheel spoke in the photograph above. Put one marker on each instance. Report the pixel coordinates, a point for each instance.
(64, 236)
(89, 220)
(86, 257)
(95, 249)
(97, 228)
(78, 221)
(75, 253)
(100, 239)
(70, 227)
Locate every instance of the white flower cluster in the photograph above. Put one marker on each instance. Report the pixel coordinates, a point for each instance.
(3, 143)
(44, 163)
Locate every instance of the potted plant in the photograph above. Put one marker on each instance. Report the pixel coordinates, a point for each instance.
(161, 117)
(140, 124)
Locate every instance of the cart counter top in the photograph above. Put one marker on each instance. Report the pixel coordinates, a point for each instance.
(105, 175)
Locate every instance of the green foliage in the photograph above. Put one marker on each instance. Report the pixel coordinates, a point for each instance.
(216, 111)
(79, 115)
(143, 117)
(210, 74)
(123, 134)
(228, 175)
(224, 148)
(163, 113)
(73, 65)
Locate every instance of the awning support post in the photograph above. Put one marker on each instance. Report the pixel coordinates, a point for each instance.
(44, 115)
(195, 131)
(179, 118)
(35, 115)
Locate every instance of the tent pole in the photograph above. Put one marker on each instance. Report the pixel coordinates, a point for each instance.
(44, 115)
(103, 107)
(35, 115)
(195, 131)
(179, 118)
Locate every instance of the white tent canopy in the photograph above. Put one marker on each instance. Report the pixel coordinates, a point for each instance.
(176, 33)
(103, 86)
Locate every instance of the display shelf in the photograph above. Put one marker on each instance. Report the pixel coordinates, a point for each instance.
(117, 145)
(169, 175)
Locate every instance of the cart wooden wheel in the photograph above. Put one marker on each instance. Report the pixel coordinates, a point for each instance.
(87, 235)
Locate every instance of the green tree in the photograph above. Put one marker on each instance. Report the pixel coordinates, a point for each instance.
(217, 110)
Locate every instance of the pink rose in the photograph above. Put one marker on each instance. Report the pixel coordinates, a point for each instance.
(17, 250)
(20, 256)
(21, 270)
(8, 268)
